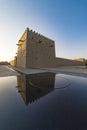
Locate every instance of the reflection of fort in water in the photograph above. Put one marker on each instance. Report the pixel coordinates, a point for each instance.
(34, 86)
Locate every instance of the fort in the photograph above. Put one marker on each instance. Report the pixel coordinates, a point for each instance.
(38, 51)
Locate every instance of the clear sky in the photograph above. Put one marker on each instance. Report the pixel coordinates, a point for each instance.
(64, 21)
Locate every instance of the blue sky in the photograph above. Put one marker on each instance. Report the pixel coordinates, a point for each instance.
(64, 21)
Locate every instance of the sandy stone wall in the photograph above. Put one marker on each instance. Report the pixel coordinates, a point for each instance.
(21, 53)
(35, 51)
(38, 51)
(67, 62)
(14, 62)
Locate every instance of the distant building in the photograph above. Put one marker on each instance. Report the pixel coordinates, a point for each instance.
(14, 61)
(80, 59)
(38, 51)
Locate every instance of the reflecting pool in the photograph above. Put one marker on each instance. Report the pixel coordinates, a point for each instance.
(43, 101)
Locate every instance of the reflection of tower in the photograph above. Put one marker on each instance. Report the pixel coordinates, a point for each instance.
(34, 86)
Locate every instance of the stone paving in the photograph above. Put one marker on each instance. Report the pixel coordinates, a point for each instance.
(72, 70)
(6, 71)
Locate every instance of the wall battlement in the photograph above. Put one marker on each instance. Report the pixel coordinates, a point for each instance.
(38, 34)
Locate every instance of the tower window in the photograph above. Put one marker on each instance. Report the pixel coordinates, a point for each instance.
(51, 46)
(40, 41)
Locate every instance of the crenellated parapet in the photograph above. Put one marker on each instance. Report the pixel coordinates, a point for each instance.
(34, 33)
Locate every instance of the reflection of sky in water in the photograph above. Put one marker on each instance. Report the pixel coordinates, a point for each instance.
(48, 106)
(7, 81)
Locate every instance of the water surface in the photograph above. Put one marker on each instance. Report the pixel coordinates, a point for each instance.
(44, 101)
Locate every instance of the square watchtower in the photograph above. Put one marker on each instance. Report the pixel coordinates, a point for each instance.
(35, 51)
